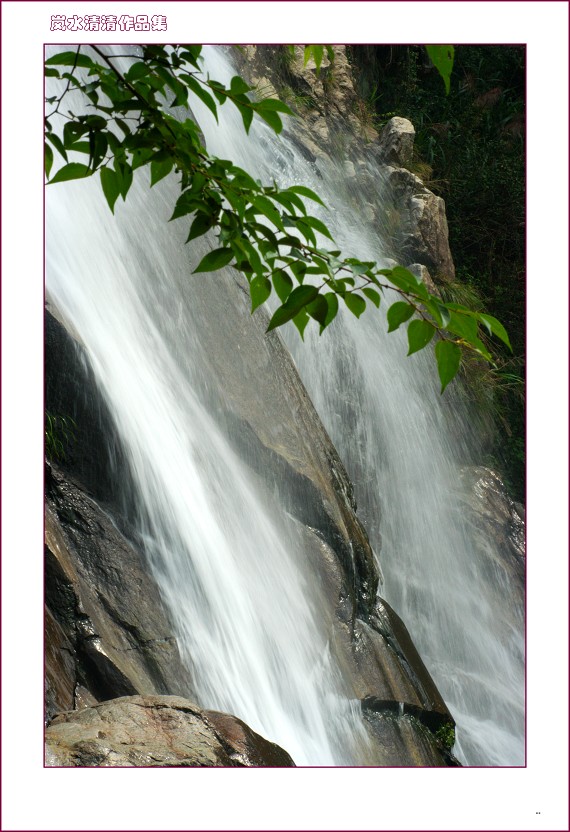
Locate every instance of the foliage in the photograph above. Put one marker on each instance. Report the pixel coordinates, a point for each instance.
(59, 434)
(442, 58)
(265, 232)
(446, 735)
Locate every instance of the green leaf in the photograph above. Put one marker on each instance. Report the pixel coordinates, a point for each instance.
(74, 170)
(318, 309)
(297, 300)
(355, 303)
(290, 201)
(141, 156)
(246, 113)
(463, 325)
(70, 59)
(48, 158)
(495, 327)
(272, 119)
(219, 91)
(442, 59)
(318, 226)
(125, 175)
(267, 208)
(200, 225)
(448, 355)
(273, 104)
(57, 143)
(405, 280)
(301, 320)
(201, 93)
(214, 260)
(187, 203)
(372, 295)
(111, 186)
(260, 289)
(283, 284)
(238, 86)
(97, 148)
(159, 169)
(332, 304)
(251, 254)
(420, 334)
(315, 52)
(398, 313)
(136, 71)
(192, 54)
(358, 266)
(439, 311)
(299, 269)
(303, 191)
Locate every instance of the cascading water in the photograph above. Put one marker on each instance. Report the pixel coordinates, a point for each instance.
(403, 446)
(226, 557)
(221, 548)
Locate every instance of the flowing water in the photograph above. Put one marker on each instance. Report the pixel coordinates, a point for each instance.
(122, 282)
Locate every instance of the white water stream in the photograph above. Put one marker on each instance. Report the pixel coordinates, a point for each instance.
(222, 551)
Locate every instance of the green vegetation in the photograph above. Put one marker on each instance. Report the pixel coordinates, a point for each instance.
(59, 435)
(445, 734)
(265, 232)
(470, 150)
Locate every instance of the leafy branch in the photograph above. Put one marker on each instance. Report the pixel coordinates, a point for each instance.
(265, 232)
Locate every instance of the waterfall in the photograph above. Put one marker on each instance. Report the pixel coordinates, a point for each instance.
(244, 602)
(227, 558)
(403, 445)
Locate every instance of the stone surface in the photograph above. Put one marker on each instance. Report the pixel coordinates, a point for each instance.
(60, 672)
(102, 605)
(156, 731)
(495, 518)
(396, 142)
(421, 233)
(402, 740)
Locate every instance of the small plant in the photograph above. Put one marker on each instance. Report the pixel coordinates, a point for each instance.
(59, 434)
(445, 734)
(298, 102)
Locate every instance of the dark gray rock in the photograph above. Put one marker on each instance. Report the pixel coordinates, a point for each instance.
(104, 611)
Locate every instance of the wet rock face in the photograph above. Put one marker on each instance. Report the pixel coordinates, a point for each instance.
(106, 624)
(494, 517)
(60, 672)
(156, 731)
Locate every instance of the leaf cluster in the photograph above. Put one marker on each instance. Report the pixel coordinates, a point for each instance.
(265, 232)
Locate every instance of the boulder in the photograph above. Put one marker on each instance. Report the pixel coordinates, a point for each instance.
(396, 142)
(420, 234)
(156, 731)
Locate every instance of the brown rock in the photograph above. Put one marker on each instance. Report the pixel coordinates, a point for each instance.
(105, 612)
(156, 731)
(60, 674)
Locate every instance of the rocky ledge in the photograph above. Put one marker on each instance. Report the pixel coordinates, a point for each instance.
(156, 731)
